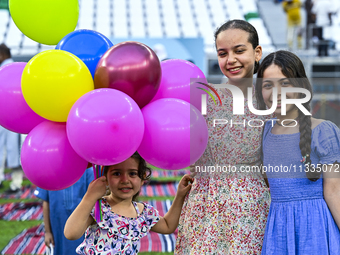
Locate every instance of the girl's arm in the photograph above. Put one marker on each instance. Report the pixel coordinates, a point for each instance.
(169, 223)
(81, 218)
(48, 231)
(331, 186)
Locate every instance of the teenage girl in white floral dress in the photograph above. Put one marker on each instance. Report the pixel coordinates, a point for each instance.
(225, 213)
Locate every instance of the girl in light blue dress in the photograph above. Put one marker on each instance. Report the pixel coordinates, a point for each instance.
(301, 155)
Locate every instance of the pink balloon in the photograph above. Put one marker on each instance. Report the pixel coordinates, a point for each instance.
(48, 159)
(15, 114)
(132, 68)
(175, 136)
(105, 126)
(180, 80)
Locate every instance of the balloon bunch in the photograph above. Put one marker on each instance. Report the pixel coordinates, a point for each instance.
(36, 99)
(140, 104)
(89, 101)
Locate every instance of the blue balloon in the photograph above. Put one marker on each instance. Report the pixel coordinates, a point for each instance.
(88, 45)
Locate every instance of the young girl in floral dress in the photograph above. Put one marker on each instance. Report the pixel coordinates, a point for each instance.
(125, 221)
(226, 212)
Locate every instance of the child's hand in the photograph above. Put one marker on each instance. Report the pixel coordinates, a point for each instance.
(184, 186)
(48, 239)
(97, 188)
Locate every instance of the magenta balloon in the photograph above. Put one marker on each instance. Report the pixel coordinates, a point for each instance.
(105, 126)
(175, 136)
(15, 114)
(132, 68)
(179, 80)
(47, 158)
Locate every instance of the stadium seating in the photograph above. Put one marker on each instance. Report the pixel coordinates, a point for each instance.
(146, 18)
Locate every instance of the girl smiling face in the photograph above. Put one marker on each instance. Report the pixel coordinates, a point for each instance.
(123, 180)
(236, 56)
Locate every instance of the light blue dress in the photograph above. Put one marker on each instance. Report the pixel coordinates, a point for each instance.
(299, 221)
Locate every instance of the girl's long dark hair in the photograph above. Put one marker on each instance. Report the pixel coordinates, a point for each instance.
(144, 172)
(291, 67)
(245, 26)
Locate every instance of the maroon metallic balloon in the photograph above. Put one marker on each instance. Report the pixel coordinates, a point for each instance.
(132, 68)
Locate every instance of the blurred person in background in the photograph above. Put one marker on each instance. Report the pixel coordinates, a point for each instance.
(294, 30)
(322, 10)
(310, 21)
(9, 142)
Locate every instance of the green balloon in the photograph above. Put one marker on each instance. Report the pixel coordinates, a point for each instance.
(45, 21)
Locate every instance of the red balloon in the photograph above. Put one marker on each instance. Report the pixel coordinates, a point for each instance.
(132, 68)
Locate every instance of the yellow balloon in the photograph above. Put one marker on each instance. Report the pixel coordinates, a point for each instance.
(53, 81)
(45, 21)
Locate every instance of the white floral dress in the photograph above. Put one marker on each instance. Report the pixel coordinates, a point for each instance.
(117, 234)
(226, 212)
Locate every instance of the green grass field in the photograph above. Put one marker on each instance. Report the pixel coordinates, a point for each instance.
(10, 229)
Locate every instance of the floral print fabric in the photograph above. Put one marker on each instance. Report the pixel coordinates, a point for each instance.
(117, 234)
(226, 211)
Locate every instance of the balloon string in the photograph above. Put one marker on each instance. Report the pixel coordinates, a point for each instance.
(94, 172)
(100, 173)
(101, 214)
(97, 209)
(100, 201)
(100, 204)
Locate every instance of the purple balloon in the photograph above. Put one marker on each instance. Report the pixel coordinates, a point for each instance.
(175, 135)
(132, 68)
(15, 114)
(48, 159)
(105, 126)
(180, 80)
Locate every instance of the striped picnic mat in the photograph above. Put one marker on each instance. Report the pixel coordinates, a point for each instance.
(33, 210)
(31, 241)
(25, 193)
(169, 173)
(150, 190)
(159, 189)
(21, 211)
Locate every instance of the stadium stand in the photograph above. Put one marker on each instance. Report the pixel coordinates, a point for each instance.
(145, 18)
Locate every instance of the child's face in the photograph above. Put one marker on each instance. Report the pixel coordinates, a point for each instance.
(274, 78)
(236, 56)
(123, 179)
